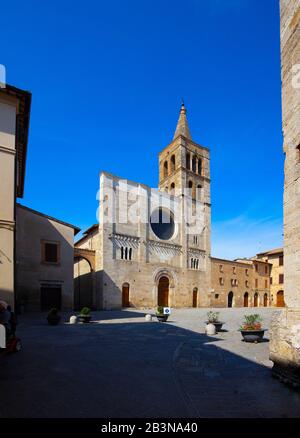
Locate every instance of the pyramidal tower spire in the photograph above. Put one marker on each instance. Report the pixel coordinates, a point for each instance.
(182, 127)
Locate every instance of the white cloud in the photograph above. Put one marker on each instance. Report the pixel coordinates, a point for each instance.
(244, 237)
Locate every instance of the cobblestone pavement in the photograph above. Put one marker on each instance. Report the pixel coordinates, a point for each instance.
(122, 366)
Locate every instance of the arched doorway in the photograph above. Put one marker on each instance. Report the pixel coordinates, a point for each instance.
(195, 297)
(163, 292)
(280, 299)
(246, 299)
(125, 295)
(265, 300)
(230, 299)
(255, 299)
(83, 283)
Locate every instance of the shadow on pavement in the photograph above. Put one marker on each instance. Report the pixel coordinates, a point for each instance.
(135, 369)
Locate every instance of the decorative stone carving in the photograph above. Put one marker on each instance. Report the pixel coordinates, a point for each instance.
(125, 240)
(164, 251)
(193, 252)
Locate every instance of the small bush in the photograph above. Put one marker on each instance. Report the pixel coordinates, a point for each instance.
(159, 310)
(85, 311)
(53, 313)
(213, 316)
(252, 322)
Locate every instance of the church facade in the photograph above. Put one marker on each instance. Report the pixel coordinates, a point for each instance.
(151, 246)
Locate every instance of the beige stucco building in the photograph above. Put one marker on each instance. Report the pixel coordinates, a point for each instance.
(285, 330)
(44, 261)
(14, 123)
(27, 237)
(276, 259)
(240, 283)
(152, 246)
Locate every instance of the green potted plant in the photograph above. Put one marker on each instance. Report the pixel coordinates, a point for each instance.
(251, 329)
(213, 318)
(85, 315)
(160, 314)
(53, 316)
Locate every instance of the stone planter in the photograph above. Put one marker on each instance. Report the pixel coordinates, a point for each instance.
(162, 318)
(218, 325)
(210, 329)
(253, 335)
(53, 320)
(84, 318)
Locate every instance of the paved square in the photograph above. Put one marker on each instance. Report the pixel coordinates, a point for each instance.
(123, 366)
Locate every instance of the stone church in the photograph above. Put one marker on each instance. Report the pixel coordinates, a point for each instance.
(151, 246)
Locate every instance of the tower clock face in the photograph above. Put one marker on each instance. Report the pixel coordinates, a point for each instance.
(162, 223)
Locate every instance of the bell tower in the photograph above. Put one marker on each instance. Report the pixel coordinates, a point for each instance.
(184, 172)
(184, 165)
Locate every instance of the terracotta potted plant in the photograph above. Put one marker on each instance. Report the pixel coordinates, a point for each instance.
(85, 315)
(160, 314)
(213, 318)
(53, 317)
(251, 328)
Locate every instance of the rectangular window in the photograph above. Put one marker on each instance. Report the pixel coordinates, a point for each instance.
(247, 271)
(266, 269)
(221, 268)
(221, 281)
(234, 269)
(266, 284)
(247, 283)
(256, 267)
(281, 278)
(281, 260)
(50, 252)
(256, 283)
(216, 296)
(271, 280)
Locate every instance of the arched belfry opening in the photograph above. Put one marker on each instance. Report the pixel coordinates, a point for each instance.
(172, 163)
(188, 161)
(194, 164)
(165, 169)
(199, 166)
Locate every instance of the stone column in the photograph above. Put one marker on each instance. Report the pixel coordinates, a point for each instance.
(285, 326)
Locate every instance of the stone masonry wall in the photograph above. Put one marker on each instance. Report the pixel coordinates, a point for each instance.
(285, 329)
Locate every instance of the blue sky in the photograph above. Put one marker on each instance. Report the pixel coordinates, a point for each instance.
(107, 80)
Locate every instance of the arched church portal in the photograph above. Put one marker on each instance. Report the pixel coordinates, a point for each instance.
(163, 292)
(195, 297)
(125, 295)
